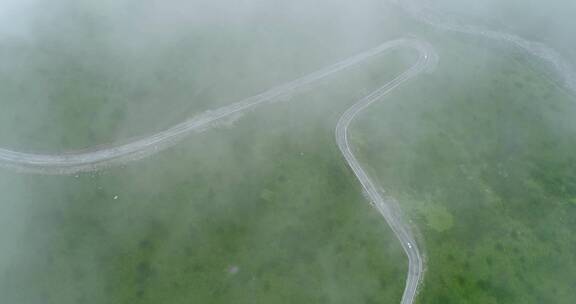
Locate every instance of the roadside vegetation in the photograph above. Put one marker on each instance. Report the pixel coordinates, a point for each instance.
(479, 155)
(486, 169)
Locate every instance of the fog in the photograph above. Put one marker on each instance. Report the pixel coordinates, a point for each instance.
(16, 18)
(550, 22)
(126, 123)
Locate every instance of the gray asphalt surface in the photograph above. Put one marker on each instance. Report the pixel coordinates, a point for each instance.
(401, 229)
(69, 163)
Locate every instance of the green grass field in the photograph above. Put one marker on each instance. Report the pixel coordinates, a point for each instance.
(270, 196)
(485, 168)
(479, 155)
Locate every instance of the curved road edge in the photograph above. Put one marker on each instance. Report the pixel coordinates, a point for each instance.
(98, 158)
(426, 60)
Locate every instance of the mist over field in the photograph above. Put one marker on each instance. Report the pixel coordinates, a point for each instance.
(252, 151)
(550, 22)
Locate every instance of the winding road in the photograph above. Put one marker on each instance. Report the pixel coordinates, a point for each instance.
(70, 163)
(427, 59)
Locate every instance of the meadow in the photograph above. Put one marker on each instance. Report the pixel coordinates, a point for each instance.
(478, 155)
